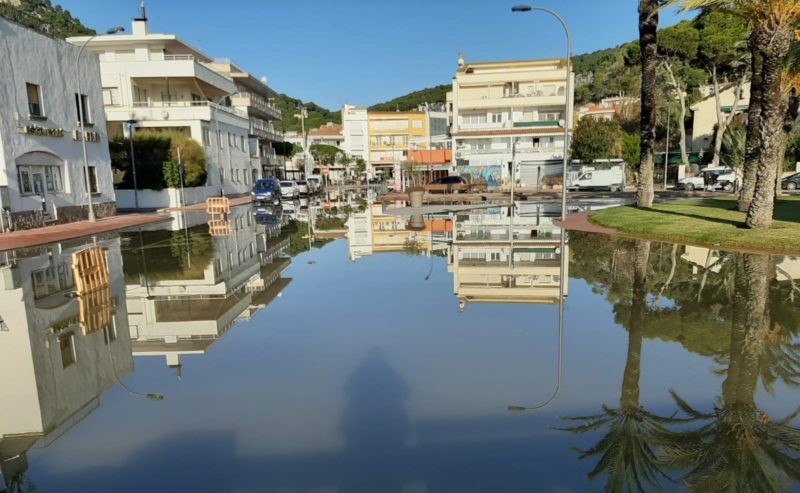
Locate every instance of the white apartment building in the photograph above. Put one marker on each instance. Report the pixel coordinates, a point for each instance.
(160, 82)
(57, 360)
(42, 176)
(255, 97)
(355, 132)
(185, 310)
(496, 105)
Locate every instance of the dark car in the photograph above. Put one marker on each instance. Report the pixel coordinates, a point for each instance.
(448, 184)
(266, 191)
(791, 182)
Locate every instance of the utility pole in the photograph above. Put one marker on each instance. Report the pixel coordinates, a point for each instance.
(302, 115)
(666, 151)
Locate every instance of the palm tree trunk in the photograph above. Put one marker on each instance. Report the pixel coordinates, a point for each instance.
(752, 146)
(750, 328)
(773, 112)
(633, 363)
(648, 44)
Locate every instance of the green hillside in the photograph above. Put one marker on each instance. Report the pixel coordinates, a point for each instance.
(412, 100)
(317, 115)
(42, 16)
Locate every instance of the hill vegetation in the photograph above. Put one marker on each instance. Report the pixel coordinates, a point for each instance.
(412, 100)
(317, 115)
(42, 16)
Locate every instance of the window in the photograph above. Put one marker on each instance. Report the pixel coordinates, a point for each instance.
(82, 103)
(241, 142)
(549, 117)
(39, 179)
(110, 333)
(67, 345)
(474, 119)
(34, 100)
(93, 179)
(230, 139)
(140, 95)
(417, 124)
(206, 137)
(51, 280)
(219, 139)
(497, 118)
(110, 96)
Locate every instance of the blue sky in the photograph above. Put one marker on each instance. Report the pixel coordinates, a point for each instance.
(364, 52)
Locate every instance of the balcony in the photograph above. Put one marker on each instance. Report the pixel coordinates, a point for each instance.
(554, 97)
(176, 110)
(257, 104)
(174, 66)
(264, 130)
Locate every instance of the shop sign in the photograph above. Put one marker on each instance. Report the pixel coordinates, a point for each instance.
(41, 131)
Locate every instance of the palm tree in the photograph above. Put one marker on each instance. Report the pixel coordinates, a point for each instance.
(648, 45)
(773, 23)
(627, 451)
(737, 447)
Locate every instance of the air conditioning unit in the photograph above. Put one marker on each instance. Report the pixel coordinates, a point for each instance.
(459, 154)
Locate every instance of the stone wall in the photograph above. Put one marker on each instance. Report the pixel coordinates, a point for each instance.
(36, 219)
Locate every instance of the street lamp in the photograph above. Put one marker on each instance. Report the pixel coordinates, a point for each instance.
(131, 123)
(87, 181)
(567, 116)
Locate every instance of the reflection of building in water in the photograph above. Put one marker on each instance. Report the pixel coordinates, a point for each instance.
(374, 231)
(186, 288)
(787, 268)
(497, 258)
(54, 374)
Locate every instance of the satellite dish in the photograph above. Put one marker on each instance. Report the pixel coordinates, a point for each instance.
(263, 79)
(562, 123)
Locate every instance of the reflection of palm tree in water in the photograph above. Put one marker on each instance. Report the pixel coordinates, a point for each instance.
(738, 447)
(627, 450)
(375, 419)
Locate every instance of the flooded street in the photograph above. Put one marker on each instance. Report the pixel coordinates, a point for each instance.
(472, 351)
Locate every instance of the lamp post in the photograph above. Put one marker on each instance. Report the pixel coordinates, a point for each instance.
(82, 123)
(567, 116)
(131, 123)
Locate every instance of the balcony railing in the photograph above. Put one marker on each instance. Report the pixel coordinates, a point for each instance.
(257, 102)
(188, 104)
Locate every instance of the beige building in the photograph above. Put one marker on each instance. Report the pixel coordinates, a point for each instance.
(500, 258)
(705, 112)
(499, 105)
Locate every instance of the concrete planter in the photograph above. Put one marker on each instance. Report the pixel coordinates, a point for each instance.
(416, 196)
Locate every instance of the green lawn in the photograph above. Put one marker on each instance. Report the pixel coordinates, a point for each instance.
(710, 222)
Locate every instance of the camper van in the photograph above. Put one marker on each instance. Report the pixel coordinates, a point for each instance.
(612, 179)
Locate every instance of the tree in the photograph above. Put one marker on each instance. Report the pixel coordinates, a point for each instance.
(193, 158)
(648, 47)
(631, 148)
(596, 139)
(628, 450)
(773, 25)
(324, 155)
(731, 152)
(738, 447)
(722, 51)
(678, 46)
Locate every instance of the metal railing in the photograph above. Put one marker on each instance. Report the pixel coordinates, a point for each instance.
(188, 104)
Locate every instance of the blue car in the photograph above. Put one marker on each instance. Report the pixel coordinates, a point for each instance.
(266, 191)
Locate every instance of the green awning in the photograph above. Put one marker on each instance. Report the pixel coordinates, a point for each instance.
(535, 124)
(675, 158)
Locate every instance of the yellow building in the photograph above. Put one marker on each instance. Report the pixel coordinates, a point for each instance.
(393, 134)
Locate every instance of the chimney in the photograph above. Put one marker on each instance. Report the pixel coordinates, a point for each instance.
(139, 25)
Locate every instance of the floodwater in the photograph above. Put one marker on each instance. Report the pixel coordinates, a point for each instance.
(476, 351)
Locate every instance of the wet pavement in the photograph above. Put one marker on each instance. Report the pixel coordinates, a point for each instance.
(477, 351)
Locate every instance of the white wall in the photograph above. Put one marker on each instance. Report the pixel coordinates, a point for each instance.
(26, 56)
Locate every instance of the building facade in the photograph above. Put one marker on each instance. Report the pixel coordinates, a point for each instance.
(499, 106)
(159, 82)
(256, 98)
(41, 157)
(704, 113)
(395, 134)
(355, 133)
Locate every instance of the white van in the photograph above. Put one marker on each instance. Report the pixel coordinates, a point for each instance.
(725, 179)
(612, 179)
(314, 183)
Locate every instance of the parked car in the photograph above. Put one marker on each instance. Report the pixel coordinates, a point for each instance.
(302, 187)
(290, 189)
(314, 183)
(791, 182)
(267, 191)
(448, 184)
(724, 179)
(612, 179)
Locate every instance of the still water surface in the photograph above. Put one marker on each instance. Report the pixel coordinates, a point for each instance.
(385, 359)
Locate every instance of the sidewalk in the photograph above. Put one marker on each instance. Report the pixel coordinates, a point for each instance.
(580, 222)
(61, 232)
